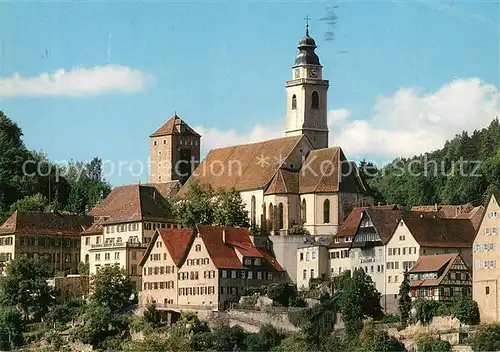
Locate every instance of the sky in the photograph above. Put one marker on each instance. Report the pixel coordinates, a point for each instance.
(85, 78)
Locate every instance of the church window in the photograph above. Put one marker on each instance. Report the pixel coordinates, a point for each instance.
(326, 211)
(315, 100)
(155, 143)
(164, 141)
(294, 102)
(271, 216)
(252, 210)
(304, 211)
(280, 215)
(263, 213)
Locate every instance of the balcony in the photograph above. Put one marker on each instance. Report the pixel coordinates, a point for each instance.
(119, 245)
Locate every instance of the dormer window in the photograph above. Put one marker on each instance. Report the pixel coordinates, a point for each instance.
(248, 261)
(257, 262)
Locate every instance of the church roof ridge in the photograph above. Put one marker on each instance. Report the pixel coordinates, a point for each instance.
(171, 127)
(255, 143)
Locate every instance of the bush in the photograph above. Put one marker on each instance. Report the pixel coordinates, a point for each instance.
(282, 293)
(152, 316)
(432, 344)
(466, 310)
(54, 339)
(487, 338)
(426, 310)
(372, 339)
(444, 310)
(265, 340)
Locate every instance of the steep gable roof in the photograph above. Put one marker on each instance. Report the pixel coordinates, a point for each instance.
(328, 170)
(133, 203)
(39, 223)
(243, 167)
(177, 243)
(175, 125)
(444, 211)
(434, 263)
(436, 232)
(384, 221)
(284, 181)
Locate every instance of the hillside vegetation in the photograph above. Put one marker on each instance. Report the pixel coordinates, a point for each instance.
(466, 169)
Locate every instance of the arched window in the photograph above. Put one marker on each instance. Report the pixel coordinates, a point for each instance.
(280, 215)
(294, 102)
(252, 210)
(271, 216)
(326, 211)
(86, 258)
(315, 100)
(303, 210)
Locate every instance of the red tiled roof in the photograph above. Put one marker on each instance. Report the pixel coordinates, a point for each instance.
(133, 203)
(95, 228)
(384, 221)
(38, 223)
(436, 232)
(432, 263)
(243, 167)
(177, 243)
(167, 189)
(284, 181)
(327, 170)
(444, 211)
(175, 125)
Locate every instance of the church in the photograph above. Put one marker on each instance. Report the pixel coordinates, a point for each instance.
(296, 180)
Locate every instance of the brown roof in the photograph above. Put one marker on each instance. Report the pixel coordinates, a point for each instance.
(134, 203)
(436, 232)
(243, 167)
(284, 181)
(327, 170)
(175, 125)
(433, 263)
(444, 211)
(38, 223)
(380, 213)
(384, 220)
(167, 189)
(95, 228)
(177, 242)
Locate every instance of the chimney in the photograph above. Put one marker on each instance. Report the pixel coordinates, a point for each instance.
(224, 235)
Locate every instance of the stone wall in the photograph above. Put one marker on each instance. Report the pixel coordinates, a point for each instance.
(257, 319)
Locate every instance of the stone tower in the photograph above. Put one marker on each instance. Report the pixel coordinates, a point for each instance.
(174, 152)
(306, 111)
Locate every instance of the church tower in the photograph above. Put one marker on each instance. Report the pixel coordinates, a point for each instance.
(306, 111)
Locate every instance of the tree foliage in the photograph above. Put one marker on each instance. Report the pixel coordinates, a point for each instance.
(372, 339)
(111, 288)
(486, 338)
(426, 310)
(25, 287)
(432, 344)
(265, 340)
(446, 176)
(202, 205)
(404, 300)
(466, 310)
(152, 316)
(11, 328)
(282, 293)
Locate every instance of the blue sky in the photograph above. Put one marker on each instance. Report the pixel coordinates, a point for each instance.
(404, 76)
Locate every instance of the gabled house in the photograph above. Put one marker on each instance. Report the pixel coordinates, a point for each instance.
(54, 236)
(208, 266)
(486, 265)
(441, 277)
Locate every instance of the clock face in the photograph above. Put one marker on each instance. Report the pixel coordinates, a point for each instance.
(297, 73)
(313, 73)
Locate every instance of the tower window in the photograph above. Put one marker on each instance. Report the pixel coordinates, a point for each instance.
(280, 215)
(155, 143)
(304, 211)
(315, 100)
(326, 211)
(294, 102)
(252, 209)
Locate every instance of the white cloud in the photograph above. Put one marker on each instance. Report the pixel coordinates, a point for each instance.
(407, 123)
(412, 122)
(78, 82)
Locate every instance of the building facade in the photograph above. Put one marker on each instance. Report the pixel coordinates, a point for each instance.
(209, 267)
(485, 263)
(53, 236)
(312, 262)
(124, 224)
(440, 277)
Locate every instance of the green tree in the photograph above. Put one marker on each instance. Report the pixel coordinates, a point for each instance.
(466, 310)
(404, 300)
(426, 310)
(317, 323)
(11, 328)
(35, 202)
(295, 342)
(486, 338)
(83, 268)
(229, 210)
(372, 339)
(25, 286)
(228, 338)
(197, 206)
(432, 344)
(282, 293)
(152, 316)
(111, 288)
(173, 342)
(266, 339)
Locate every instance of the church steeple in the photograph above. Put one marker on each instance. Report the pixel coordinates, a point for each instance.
(307, 96)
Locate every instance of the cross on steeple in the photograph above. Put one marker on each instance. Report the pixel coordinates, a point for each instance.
(307, 24)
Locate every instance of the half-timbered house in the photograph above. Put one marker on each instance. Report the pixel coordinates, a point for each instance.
(443, 277)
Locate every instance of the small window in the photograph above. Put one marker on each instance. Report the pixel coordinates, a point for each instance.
(315, 100)
(294, 102)
(487, 289)
(198, 248)
(326, 211)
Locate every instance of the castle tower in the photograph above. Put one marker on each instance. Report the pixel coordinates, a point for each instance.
(306, 111)
(174, 152)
